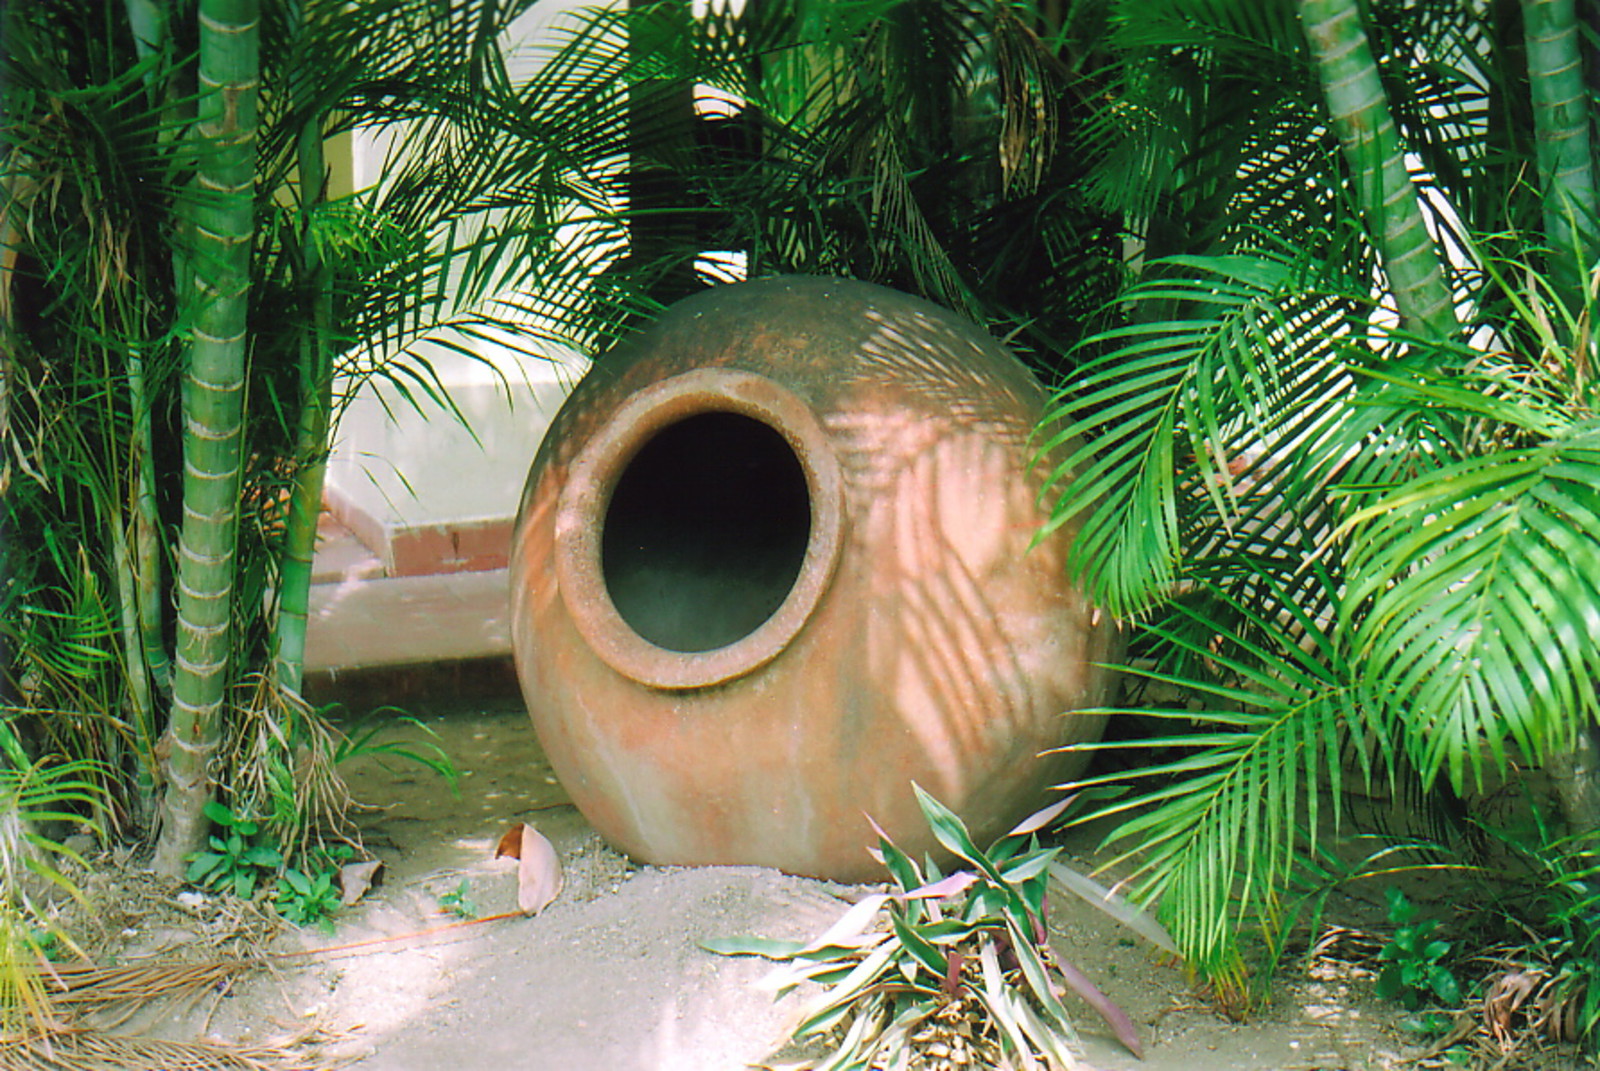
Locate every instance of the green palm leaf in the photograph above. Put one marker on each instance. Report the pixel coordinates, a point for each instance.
(1237, 813)
(1474, 604)
(1193, 412)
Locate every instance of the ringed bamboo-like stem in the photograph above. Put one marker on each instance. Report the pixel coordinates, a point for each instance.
(1561, 127)
(149, 22)
(1389, 203)
(213, 416)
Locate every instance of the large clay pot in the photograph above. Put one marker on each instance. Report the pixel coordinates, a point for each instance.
(773, 565)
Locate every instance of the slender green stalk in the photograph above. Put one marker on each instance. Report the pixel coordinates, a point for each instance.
(213, 408)
(1388, 199)
(147, 546)
(311, 445)
(137, 550)
(148, 20)
(132, 648)
(7, 258)
(6, 597)
(1561, 124)
(145, 687)
(140, 694)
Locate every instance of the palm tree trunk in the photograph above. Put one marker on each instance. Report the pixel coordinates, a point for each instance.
(1561, 124)
(311, 447)
(1575, 779)
(659, 110)
(1567, 182)
(139, 569)
(213, 408)
(1388, 200)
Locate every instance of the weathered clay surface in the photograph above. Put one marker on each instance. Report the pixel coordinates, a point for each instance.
(838, 591)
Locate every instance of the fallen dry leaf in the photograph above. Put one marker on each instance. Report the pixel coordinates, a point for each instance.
(539, 877)
(1504, 998)
(356, 878)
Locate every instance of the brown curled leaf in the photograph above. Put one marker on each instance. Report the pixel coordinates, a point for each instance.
(356, 878)
(539, 876)
(510, 842)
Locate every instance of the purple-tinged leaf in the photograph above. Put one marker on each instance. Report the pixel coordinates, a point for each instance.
(1003, 1004)
(949, 830)
(1030, 866)
(958, 882)
(922, 950)
(765, 947)
(1041, 818)
(1053, 1039)
(952, 973)
(1115, 1017)
(1036, 973)
(900, 866)
(843, 992)
(853, 923)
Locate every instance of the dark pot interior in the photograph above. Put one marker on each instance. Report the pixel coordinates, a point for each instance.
(706, 531)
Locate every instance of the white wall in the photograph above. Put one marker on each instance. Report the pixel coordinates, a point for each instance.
(399, 464)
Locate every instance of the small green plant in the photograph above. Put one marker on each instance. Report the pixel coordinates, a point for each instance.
(47, 943)
(1414, 971)
(957, 966)
(311, 893)
(1570, 954)
(307, 900)
(238, 857)
(284, 759)
(459, 901)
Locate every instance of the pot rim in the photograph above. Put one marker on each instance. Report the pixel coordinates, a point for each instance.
(586, 496)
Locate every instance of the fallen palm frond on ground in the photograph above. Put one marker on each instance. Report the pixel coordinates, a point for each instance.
(86, 988)
(72, 1006)
(122, 990)
(114, 994)
(88, 1050)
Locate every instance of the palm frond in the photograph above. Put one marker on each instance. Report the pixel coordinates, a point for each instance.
(1474, 605)
(1212, 408)
(1229, 820)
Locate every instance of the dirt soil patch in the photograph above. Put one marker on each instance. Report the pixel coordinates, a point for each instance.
(611, 977)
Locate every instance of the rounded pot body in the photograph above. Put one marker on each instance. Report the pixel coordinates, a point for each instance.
(773, 565)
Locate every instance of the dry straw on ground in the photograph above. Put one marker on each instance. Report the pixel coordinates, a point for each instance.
(88, 1050)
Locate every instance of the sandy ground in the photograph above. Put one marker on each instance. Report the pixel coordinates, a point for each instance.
(610, 976)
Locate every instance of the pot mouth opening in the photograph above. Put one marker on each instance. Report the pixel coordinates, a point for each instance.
(706, 531)
(698, 528)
